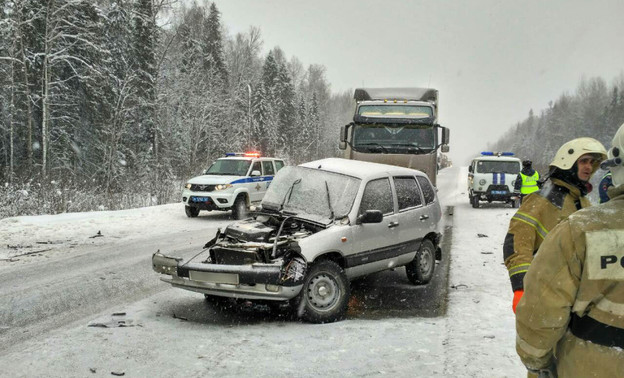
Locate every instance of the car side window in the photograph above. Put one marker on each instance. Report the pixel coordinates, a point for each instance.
(278, 165)
(256, 167)
(377, 196)
(268, 168)
(427, 189)
(408, 193)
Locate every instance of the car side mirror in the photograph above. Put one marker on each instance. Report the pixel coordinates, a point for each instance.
(370, 216)
(470, 168)
(444, 148)
(256, 173)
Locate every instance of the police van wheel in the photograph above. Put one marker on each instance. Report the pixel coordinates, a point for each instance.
(239, 210)
(474, 201)
(191, 212)
(420, 270)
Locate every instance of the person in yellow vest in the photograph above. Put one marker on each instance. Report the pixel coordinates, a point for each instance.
(563, 193)
(570, 320)
(527, 180)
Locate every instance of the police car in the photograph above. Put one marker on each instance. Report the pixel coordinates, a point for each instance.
(491, 177)
(234, 182)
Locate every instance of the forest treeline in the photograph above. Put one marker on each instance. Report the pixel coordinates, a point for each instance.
(596, 110)
(103, 106)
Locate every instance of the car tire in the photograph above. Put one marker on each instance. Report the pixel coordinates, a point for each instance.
(325, 295)
(420, 270)
(239, 210)
(474, 201)
(191, 211)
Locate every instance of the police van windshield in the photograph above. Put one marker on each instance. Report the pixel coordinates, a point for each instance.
(229, 167)
(485, 166)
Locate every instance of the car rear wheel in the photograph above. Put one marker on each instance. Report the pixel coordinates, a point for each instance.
(239, 210)
(325, 294)
(191, 211)
(420, 270)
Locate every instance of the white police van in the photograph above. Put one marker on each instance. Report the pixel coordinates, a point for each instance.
(491, 177)
(234, 182)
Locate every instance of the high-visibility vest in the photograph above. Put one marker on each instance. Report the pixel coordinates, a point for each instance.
(529, 183)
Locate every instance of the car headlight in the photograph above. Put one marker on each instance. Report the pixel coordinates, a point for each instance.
(223, 186)
(188, 185)
(482, 182)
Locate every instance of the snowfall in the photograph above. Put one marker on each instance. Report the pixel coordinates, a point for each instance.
(475, 338)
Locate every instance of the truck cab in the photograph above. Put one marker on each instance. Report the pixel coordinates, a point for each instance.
(396, 126)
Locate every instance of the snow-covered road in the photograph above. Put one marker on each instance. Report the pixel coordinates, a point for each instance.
(172, 332)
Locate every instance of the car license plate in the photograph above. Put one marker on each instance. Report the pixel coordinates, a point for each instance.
(200, 199)
(499, 192)
(213, 277)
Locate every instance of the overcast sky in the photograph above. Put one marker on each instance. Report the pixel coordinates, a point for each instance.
(491, 60)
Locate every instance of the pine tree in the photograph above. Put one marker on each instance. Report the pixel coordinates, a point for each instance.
(214, 60)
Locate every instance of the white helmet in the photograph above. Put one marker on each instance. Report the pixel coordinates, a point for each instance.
(569, 153)
(616, 158)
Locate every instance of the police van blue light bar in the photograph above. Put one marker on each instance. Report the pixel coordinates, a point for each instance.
(244, 154)
(490, 153)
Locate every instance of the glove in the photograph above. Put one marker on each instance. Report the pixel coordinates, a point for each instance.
(549, 371)
(517, 295)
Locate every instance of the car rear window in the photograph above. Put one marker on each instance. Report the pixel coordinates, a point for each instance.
(427, 189)
(408, 193)
(377, 196)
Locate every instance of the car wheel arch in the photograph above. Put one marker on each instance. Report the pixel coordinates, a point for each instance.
(335, 256)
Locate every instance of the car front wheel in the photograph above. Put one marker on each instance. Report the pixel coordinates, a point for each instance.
(420, 270)
(325, 294)
(191, 212)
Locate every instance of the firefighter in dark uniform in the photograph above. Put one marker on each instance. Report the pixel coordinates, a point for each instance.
(562, 194)
(527, 180)
(570, 321)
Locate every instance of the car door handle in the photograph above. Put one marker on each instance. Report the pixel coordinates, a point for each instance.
(393, 224)
(423, 217)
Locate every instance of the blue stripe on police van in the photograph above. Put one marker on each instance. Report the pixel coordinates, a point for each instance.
(494, 179)
(502, 178)
(252, 179)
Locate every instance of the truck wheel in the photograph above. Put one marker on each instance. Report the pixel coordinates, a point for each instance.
(325, 294)
(191, 212)
(239, 210)
(474, 201)
(420, 270)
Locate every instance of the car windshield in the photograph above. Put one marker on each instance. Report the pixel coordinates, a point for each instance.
(229, 167)
(399, 139)
(313, 192)
(485, 166)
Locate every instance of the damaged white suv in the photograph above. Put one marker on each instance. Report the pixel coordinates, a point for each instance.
(321, 225)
